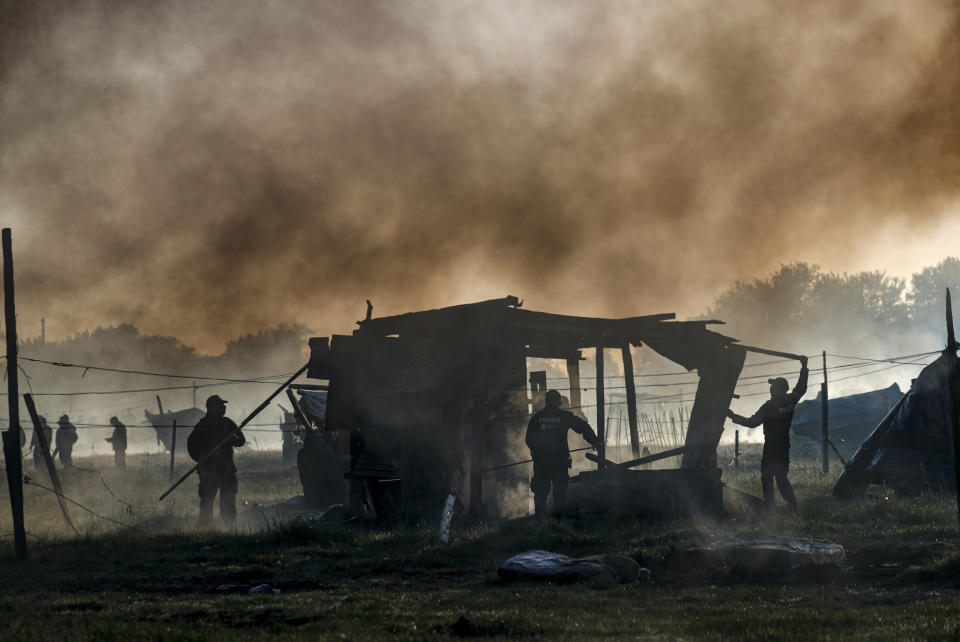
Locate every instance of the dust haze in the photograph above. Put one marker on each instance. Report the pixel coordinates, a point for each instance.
(208, 169)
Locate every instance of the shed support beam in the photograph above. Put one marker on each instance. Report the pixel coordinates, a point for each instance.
(573, 376)
(601, 414)
(631, 390)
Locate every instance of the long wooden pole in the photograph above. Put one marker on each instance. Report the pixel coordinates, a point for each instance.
(772, 353)
(954, 379)
(601, 418)
(229, 437)
(631, 391)
(825, 418)
(640, 461)
(48, 459)
(298, 412)
(11, 439)
(173, 448)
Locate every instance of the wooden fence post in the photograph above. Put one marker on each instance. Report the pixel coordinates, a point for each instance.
(736, 448)
(601, 419)
(173, 448)
(11, 439)
(825, 418)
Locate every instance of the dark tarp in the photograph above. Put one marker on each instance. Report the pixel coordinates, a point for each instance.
(912, 449)
(314, 405)
(852, 418)
(163, 425)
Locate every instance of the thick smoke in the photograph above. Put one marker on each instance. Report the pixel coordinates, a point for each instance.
(209, 169)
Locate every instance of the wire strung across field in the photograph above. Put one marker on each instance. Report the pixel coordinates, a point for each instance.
(128, 507)
(86, 367)
(761, 378)
(28, 480)
(682, 397)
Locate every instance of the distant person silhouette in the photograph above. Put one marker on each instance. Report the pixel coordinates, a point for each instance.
(776, 415)
(66, 438)
(119, 442)
(215, 468)
(547, 440)
(38, 459)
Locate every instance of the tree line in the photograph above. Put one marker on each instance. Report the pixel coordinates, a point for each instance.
(802, 308)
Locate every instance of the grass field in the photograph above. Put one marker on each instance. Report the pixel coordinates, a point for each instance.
(352, 582)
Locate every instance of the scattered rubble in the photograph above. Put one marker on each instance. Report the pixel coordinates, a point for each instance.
(763, 556)
(553, 567)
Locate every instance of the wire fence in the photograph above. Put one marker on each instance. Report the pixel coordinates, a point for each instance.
(661, 428)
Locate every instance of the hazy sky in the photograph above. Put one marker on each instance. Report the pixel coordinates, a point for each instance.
(210, 169)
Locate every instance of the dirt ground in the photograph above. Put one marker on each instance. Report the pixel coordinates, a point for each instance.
(901, 579)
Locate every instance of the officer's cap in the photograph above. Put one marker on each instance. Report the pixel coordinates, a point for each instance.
(214, 400)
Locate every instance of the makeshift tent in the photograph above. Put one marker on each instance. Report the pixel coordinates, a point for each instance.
(852, 418)
(163, 425)
(911, 449)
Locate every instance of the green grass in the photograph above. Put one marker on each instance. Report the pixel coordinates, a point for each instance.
(351, 582)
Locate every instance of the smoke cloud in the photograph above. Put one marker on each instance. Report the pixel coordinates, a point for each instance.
(210, 169)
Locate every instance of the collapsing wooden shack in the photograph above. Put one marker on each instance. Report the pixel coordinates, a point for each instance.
(430, 399)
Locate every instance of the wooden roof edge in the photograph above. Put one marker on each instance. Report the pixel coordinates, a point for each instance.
(377, 323)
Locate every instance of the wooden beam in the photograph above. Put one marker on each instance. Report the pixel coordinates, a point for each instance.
(573, 377)
(631, 391)
(601, 411)
(666, 454)
(309, 387)
(173, 448)
(772, 353)
(298, 413)
(48, 459)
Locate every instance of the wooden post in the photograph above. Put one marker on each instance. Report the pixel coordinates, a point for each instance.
(538, 389)
(11, 439)
(736, 448)
(573, 376)
(631, 391)
(824, 418)
(954, 380)
(173, 448)
(601, 419)
(160, 405)
(48, 459)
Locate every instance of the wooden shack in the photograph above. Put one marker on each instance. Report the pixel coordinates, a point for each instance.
(430, 399)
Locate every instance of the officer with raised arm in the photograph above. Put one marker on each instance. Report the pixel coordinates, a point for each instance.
(776, 414)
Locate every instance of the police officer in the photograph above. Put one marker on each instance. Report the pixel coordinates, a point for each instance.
(119, 442)
(215, 468)
(66, 438)
(776, 415)
(547, 441)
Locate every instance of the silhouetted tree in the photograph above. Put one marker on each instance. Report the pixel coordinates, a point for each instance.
(927, 292)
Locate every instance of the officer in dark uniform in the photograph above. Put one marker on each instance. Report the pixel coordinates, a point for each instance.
(776, 416)
(119, 442)
(547, 441)
(215, 467)
(66, 438)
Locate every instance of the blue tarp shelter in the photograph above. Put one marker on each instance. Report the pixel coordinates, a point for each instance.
(852, 418)
(911, 450)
